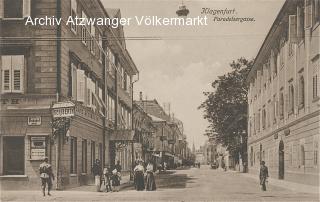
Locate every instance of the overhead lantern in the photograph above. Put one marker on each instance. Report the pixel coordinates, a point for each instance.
(182, 11)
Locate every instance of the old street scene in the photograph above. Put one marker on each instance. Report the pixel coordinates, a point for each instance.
(159, 100)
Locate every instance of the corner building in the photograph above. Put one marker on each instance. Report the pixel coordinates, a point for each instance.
(42, 66)
(284, 96)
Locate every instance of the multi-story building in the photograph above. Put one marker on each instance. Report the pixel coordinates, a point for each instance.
(65, 92)
(168, 134)
(284, 107)
(144, 134)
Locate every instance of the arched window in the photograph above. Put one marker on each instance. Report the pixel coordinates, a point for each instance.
(301, 92)
(281, 106)
(291, 99)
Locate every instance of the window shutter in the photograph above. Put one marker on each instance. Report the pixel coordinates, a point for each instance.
(293, 28)
(1, 8)
(308, 13)
(26, 8)
(74, 5)
(17, 73)
(81, 85)
(100, 93)
(74, 81)
(6, 74)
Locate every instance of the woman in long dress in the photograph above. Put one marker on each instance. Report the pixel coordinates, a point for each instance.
(139, 178)
(151, 183)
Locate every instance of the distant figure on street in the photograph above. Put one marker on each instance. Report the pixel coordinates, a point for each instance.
(263, 176)
(118, 167)
(46, 176)
(97, 173)
(107, 178)
(150, 182)
(115, 178)
(165, 166)
(139, 177)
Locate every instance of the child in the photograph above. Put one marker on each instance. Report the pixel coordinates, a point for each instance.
(115, 180)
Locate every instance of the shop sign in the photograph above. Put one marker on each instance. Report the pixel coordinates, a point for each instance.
(63, 109)
(38, 148)
(34, 120)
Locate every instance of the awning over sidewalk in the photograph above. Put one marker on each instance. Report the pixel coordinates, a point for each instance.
(168, 154)
(122, 135)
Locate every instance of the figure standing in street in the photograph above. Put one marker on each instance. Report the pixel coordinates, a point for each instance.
(107, 176)
(150, 182)
(263, 176)
(46, 176)
(139, 177)
(118, 167)
(115, 178)
(97, 171)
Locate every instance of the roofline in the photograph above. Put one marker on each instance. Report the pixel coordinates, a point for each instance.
(271, 31)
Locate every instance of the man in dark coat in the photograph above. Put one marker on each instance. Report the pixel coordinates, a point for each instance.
(97, 171)
(46, 176)
(263, 176)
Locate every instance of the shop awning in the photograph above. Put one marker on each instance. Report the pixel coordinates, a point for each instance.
(122, 135)
(168, 154)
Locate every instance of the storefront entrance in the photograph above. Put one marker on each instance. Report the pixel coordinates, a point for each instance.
(13, 155)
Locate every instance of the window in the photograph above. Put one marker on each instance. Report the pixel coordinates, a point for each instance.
(73, 81)
(301, 92)
(73, 155)
(315, 151)
(302, 155)
(291, 154)
(275, 65)
(84, 156)
(74, 15)
(300, 23)
(93, 153)
(13, 9)
(292, 32)
(111, 63)
(81, 85)
(282, 52)
(291, 99)
(258, 121)
(264, 117)
(281, 106)
(13, 155)
(308, 13)
(12, 70)
(316, 11)
(275, 107)
(315, 86)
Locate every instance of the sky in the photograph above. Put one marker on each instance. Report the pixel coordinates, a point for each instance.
(179, 68)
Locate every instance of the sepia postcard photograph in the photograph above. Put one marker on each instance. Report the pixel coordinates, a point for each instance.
(159, 100)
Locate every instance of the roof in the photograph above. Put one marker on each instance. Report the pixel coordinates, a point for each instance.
(272, 32)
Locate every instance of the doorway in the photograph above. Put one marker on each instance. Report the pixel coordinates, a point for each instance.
(13, 155)
(281, 160)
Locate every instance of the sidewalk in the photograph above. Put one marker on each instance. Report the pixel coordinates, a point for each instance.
(125, 182)
(286, 184)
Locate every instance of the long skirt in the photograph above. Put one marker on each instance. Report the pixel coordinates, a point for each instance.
(139, 180)
(151, 183)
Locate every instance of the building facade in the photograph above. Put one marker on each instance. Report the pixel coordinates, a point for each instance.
(284, 107)
(46, 68)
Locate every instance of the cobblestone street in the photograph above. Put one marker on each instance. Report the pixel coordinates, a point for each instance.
(193, 184)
